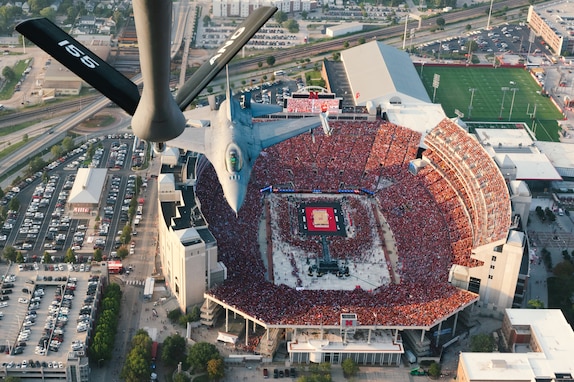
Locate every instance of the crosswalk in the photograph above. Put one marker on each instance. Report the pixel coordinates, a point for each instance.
(135, 282)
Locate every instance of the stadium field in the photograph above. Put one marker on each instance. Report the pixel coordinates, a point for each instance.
(487, 104)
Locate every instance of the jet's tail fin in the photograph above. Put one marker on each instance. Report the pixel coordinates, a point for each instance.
(324, 117)
(229, 95)
(81, 61)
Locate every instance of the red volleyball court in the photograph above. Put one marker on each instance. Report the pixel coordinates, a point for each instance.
(320, 219)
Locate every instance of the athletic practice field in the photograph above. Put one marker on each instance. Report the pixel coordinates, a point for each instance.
(454, 92)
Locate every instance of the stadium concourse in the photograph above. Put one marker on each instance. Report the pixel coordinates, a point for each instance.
(434, 219)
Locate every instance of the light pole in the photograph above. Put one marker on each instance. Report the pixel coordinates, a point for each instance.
(471, 90)
(513, 90)
(423, 66)
(504, 90)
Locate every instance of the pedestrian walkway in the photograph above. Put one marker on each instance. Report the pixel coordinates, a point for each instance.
(135, 282)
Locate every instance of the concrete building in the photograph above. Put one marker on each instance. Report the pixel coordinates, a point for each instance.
(188, 250)
(87, 190)
(242, 8)
(541, 343)
(553, 23)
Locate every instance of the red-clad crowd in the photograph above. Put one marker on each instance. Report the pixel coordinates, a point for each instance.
(431, 227)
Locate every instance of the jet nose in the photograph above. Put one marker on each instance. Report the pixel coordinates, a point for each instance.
(235, 194)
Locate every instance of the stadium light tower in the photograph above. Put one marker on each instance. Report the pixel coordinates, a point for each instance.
(471, 90)
(504, 90)
(513, 90)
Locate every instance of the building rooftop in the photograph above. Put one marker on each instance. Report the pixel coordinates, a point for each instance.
(552, 335)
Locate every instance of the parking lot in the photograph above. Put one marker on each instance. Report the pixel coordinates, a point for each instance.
(44, 223)
(49, 314)
(511, 39)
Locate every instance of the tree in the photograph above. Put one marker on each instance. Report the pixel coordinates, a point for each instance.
(280, 17)
(98, 255)
(56, 151)
(291, 25)
(482, 343)
(19, 257)
(8, 73)
(564, 269)
(181, 377)
(535, 304)
(67, 144)
(11, 379)
(126, 235)
(10, 253)
(361, 40)
(14, 204)
(46, 258)
(259, 64)
(468, 27)
(123, 252)
(440, 22)
(215, 368)
(304, 15)
(435, 370)
(173, 350)
(70, 256)
(209, 89)
(270, 60)
(206, 21)
(25, 138)
(200, 354)
(350, 367)
(48, 13)
(136, 366)
(346, 44)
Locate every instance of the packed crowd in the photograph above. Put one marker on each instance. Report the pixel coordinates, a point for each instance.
(362, 154)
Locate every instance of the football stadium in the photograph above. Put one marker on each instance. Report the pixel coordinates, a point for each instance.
(381, 238)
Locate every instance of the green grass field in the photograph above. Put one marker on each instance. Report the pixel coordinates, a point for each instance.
(453, 93)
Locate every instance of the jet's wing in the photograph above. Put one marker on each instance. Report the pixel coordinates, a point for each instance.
(114, 85)
(271, 133)
(87, 65)
(192, 139)
(203, 76)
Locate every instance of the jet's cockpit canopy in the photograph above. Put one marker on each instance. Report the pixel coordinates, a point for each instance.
(234, 161)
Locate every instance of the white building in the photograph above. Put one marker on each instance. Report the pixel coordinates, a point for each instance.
(187, 249)
(541, 343)
(242, 8)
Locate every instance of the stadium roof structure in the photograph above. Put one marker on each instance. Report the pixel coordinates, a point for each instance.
(88, 186)
(390, 73)
(560, 154)
(517, 147)
(550, 356)
(391, 81)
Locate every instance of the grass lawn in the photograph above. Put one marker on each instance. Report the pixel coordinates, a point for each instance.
(453, 93)
(8, 90)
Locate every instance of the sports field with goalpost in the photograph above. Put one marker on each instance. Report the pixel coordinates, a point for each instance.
(494, 90)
